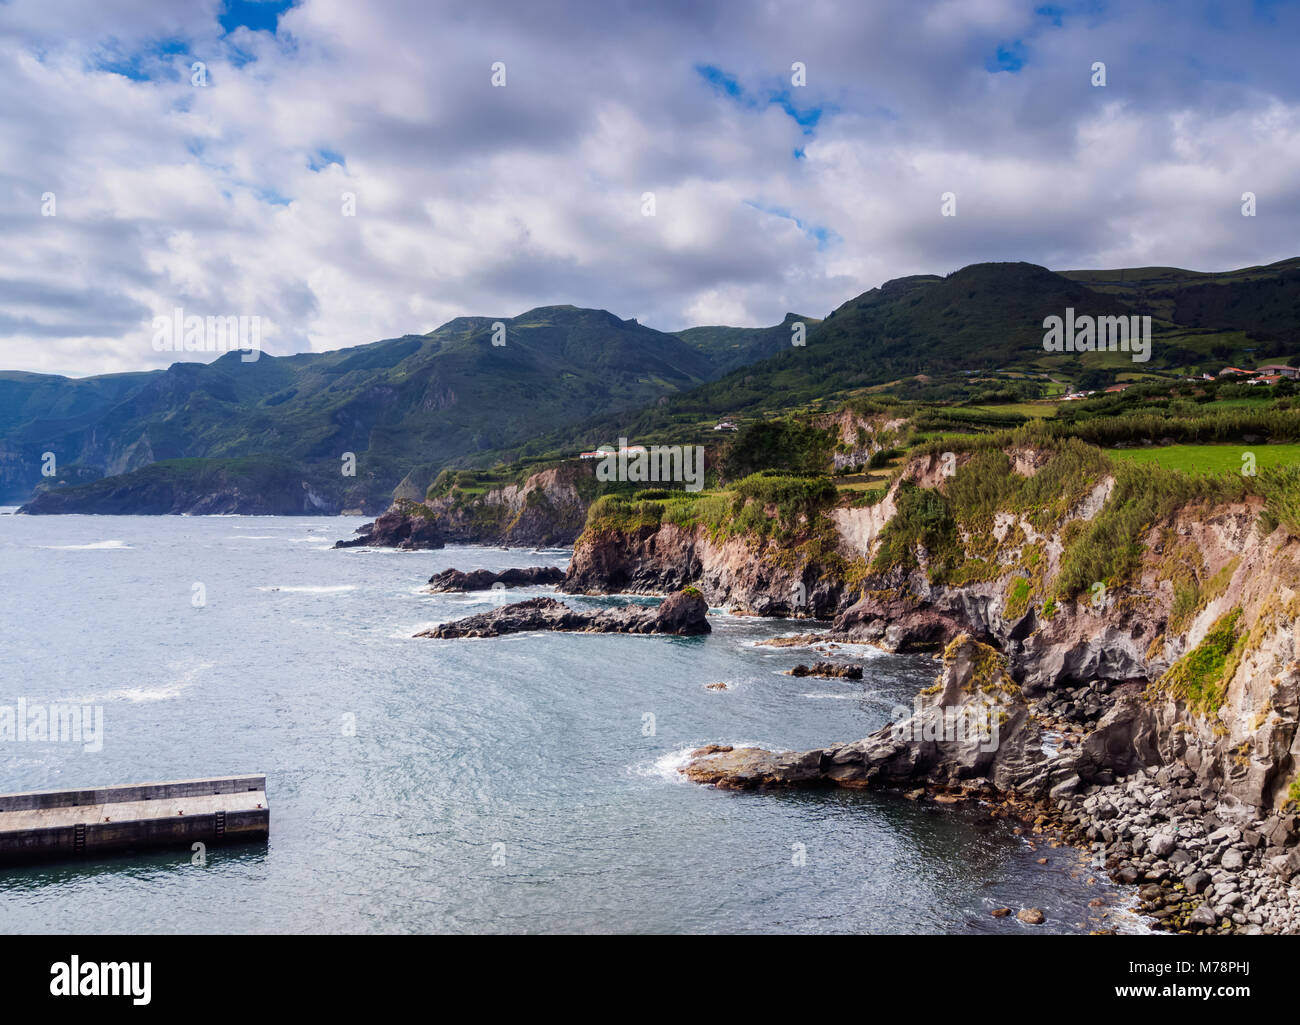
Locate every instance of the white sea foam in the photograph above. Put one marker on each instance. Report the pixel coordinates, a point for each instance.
(861, 649)
(160, 692)
(667, 765)
(94, 546)
(406, 633)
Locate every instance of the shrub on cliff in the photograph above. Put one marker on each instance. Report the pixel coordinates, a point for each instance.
(613, 512)
(1200, 678)
(922, 518)
(1281, 489)
(788, 445)
(1108, 548)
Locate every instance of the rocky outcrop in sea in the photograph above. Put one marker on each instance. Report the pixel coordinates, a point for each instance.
(682, 614)
(546, 509)
(404, 526)
(976, 725)
(484, 579)
(827, 671)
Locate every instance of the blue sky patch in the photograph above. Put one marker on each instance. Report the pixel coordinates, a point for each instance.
(145, 65)
(269, 195)
(728, 85)
(255, 15)
(1054, 14)
(1009, 57)
(820, 234)
(322, 159)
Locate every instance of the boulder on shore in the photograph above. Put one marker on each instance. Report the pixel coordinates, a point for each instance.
(682, 614)
(485, 579)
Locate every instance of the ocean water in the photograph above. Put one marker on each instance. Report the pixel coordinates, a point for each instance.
(517, 784)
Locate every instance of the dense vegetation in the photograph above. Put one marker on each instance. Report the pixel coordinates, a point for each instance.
(788, 444)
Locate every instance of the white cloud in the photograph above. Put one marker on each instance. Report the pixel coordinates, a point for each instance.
(475, 200)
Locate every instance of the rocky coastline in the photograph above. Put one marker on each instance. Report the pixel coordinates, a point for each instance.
(1156, 730)
(547, 509)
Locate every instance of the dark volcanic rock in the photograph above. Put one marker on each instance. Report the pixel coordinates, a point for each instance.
(1124, 742)
(827, 670)
(682, 614)
(911, 624)
(397, 528)
(977, 725)
(483, 579)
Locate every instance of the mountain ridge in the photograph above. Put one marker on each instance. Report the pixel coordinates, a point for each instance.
(568, 378)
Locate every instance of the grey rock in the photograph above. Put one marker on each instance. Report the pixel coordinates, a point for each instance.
(1203, 916)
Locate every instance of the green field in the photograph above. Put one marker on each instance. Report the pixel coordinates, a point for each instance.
(1029, 409)
(1211, 458)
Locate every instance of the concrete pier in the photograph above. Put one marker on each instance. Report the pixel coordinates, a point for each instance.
(49, 824)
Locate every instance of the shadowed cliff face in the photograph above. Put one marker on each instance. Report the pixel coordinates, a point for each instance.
(404, 526)
(654, 561)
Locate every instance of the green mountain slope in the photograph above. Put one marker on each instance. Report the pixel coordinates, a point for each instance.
(731, 347)
(977, 330)
(417, 401)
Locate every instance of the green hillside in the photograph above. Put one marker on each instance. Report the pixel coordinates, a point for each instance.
(968, 345)
(418, 402)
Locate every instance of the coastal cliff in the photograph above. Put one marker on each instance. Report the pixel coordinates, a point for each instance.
(1147, 618)
(544, 508)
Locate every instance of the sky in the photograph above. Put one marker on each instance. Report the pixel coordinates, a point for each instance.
(133, 183)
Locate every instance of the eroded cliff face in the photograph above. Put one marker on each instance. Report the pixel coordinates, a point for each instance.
(750, 577)
(1191, 660)
(548, 509)
(860, 437)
